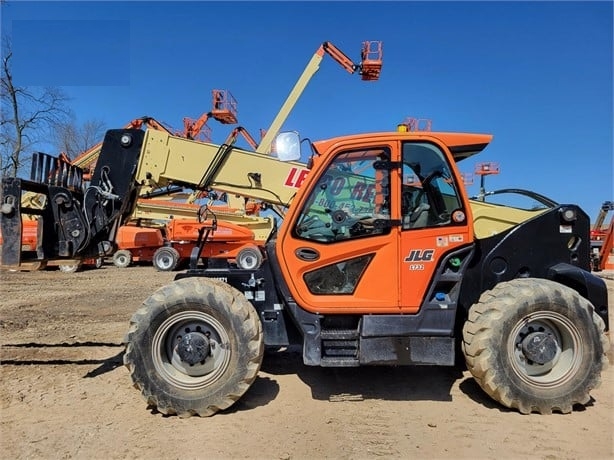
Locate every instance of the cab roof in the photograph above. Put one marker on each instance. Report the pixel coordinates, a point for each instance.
(461, 145)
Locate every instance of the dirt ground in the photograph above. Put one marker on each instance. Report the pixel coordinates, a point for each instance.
(64, 393)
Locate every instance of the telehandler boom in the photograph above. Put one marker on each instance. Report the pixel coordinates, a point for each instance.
(381, 259)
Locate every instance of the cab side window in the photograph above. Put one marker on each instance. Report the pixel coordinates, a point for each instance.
(429, 194)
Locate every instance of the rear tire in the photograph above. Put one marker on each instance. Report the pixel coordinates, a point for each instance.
(535, 345)
(166, 259)
(194, 347)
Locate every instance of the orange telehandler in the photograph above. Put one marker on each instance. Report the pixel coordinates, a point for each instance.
(381, 259)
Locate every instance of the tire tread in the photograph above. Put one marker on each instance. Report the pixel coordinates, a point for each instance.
(181, 291)
(481, 329)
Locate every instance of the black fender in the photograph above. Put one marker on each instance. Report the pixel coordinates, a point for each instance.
(586, 284)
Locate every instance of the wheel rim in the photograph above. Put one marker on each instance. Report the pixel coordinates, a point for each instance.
(68, 268)
(247, 260)
(559, 349)
(122, 258)
(39, 266)
(166, 350)
(164, 260)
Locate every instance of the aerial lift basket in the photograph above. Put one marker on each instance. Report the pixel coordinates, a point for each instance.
(371, 60)
(224, 107)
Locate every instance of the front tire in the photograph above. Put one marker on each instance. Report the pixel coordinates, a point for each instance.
(535, 345)
(194, 347)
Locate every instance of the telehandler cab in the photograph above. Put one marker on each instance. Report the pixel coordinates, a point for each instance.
(381, 259)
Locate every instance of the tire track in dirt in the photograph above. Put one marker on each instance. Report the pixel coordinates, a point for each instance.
(67, 395)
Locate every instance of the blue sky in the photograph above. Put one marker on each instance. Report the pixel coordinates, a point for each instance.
(536, 75)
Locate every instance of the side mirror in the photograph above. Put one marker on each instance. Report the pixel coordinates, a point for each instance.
(288, 146)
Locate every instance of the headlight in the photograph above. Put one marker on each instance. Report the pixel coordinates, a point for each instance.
(568, 215)
(125, 140)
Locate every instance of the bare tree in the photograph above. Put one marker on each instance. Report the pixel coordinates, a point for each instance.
(73, 139)
(27, 116)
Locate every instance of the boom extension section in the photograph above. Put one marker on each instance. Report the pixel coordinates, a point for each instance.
(170, 160)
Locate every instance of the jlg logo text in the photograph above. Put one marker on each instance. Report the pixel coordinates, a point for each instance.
(417, 255)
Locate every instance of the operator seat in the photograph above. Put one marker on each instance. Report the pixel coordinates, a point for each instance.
(418, 218)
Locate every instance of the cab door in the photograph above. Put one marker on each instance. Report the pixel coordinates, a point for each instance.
(434, 223)
(339, 250)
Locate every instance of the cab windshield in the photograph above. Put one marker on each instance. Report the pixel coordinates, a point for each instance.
(349, 197)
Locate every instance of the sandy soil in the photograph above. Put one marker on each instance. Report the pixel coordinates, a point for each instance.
(64, 393)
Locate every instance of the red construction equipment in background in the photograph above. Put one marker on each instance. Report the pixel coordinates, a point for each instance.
(601, 240)
(165, 233)
(225, 240)
(233, 242)
(483, 170)
(369, 69)
(411, 124)
(371, 59)
(224, 110)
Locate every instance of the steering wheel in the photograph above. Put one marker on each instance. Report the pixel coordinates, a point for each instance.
(356, 226)
(314, 228)
(339, 216)
(363, 226)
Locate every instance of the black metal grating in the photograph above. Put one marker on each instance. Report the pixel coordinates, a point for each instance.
(50, 170)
